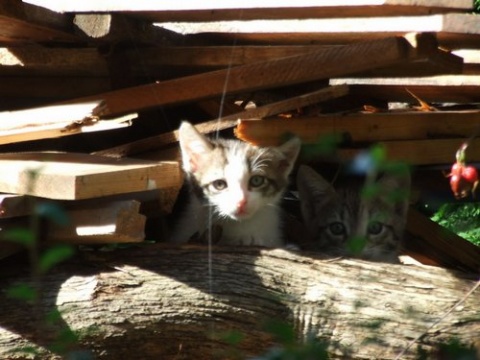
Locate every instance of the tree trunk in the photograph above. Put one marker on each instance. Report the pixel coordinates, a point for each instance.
(162, 302)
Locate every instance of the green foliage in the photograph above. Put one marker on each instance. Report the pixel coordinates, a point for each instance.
(22, 236)
(53, 256)
(476, 6)
(290, 348)
(356, 244)
(53, 212)
(462, 219)
(22, 292)
(326, 145)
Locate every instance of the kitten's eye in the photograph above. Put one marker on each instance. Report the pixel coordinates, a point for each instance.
(256, 181)
(219, 185)
(337, 228)
(375, 228)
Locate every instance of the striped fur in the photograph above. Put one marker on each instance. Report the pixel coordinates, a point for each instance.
(236, 186)
(334, 221)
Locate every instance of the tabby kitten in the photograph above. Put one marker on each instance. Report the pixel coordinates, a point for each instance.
(236, 188)
(339, 221)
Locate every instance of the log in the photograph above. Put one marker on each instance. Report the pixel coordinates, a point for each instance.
(161, 302)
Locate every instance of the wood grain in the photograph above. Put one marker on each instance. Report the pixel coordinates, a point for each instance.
(331, 62)
(363, 127)
(70, 176)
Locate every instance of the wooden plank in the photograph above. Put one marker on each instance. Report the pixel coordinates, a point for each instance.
(454, 31)
(190, 10)
(363, 127)
(195, 58)
(101, 223)
(228, 121)
(153, 202)
(446, 88)
(278, 72)
(439, 245)
(70, 176)
(57, 87)
(14, 206)
(118, 28)
(36, 60)
(468, 94)
(55, 121)
(24, 23)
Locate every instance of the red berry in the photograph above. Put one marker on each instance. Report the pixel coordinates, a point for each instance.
(457, 168)
(470, 174)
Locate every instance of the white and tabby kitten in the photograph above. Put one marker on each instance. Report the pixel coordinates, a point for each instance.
(340, 222)
(236, 187)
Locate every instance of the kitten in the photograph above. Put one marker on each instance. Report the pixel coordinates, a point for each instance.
(240, 183)
(333, 217)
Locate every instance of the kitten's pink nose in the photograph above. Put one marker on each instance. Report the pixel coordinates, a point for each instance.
(241, 206)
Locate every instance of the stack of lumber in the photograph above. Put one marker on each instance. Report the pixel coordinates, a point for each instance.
(138, 68)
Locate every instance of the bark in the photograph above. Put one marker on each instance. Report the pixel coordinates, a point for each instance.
(161, 302)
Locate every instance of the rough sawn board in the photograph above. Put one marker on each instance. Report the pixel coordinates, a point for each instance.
(80, 176)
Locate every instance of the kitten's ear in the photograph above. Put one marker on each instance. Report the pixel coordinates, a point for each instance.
(290, 150)
(314, 191)
(194, 146)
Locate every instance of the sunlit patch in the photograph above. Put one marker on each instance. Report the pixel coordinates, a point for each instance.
(8, 58)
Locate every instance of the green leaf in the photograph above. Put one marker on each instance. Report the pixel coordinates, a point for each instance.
(283, 332)
(21, 236)
(325, 145)
(22, 292)
(378, 154)
(356, 244)
(233, 337)
(369, 191)
(53, 256)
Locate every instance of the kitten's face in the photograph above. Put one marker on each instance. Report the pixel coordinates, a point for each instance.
(334, 222)
(238, 179)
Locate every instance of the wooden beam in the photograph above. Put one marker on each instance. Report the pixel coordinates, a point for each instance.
(228, 121)
(213, 57)
(101, 223)
(23, 23)
(35, 60)
(454, 31)
(447, 88)
(363, 127)
(70, 176)
(440, 245)
(114, 27)
(330, 62)
(56, 87)
(210, 10)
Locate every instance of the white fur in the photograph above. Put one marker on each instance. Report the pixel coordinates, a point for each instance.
(262, 229)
